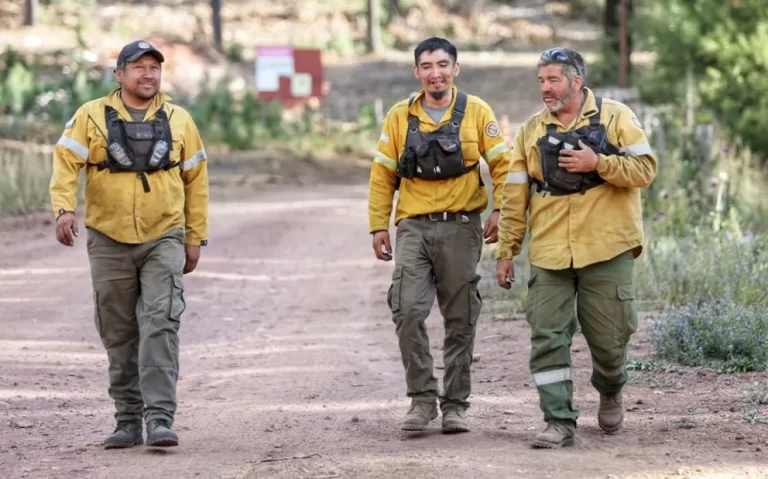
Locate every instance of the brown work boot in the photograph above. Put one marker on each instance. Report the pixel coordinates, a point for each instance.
(455, 420)
(610, 416)
(557, 434)
(419, 415)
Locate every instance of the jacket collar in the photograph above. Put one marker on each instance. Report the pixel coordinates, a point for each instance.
(588, 109)
(417, 108)
(114, 100)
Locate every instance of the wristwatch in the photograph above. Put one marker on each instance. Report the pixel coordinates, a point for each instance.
(62, 211)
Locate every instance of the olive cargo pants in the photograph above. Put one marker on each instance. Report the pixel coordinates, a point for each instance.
(138, 301)
(606, 311)
(437, 258)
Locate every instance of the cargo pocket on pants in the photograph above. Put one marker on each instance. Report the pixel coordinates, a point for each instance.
(393, 295)
(530, 300)
(626, 321)
(178, 305)
(475, 300)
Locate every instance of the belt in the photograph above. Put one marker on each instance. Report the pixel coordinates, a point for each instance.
(458, 217)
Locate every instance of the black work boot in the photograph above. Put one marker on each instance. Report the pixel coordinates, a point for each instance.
(160, 434)
(127, 434)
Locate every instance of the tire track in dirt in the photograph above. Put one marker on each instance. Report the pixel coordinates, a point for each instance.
(288, 351)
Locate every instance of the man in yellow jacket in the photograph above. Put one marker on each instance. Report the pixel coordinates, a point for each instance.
(430, 150)
(578, 167)
(146, 213)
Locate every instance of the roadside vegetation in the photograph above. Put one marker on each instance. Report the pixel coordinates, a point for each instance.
(702, 279)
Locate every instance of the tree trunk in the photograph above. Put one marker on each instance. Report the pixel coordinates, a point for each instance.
(374, 27)
(30, 12)
(216, 17)
(613, 33)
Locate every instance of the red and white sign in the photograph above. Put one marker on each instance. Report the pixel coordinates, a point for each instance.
(288, 74)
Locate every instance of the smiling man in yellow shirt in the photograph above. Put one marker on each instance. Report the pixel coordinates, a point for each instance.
(146, 213)
(430, 151)
(577, 169)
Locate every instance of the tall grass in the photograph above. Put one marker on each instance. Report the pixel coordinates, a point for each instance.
(25, 173)
(704, 265)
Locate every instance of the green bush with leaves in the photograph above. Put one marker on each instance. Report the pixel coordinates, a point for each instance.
(722, 44)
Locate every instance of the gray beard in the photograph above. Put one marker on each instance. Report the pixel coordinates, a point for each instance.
(561, 102)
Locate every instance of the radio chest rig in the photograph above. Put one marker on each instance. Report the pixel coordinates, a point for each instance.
(435, 155)
(141, 147)
(559, 182)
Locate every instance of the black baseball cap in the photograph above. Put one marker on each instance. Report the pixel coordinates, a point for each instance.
(133, 51)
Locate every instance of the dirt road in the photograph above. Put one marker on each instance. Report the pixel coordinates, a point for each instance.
(288, 351)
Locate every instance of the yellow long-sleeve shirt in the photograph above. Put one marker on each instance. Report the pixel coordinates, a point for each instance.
(116, 203)
(578, 229)
(480, 137)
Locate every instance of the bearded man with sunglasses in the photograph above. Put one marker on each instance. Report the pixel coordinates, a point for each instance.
(578, 167)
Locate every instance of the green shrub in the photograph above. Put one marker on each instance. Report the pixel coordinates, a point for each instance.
(720, 334)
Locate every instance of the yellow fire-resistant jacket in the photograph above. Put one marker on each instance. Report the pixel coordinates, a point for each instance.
(583, 229)
(116, 203)
(480, 136)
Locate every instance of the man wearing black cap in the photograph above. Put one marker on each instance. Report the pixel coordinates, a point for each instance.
(146, 190)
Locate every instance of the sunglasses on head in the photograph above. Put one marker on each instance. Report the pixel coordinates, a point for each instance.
(559, 55)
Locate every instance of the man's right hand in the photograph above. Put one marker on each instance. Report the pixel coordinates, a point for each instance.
(381, 238)
(66, 229)
(505, 273)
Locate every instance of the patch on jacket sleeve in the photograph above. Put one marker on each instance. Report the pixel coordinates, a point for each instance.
(492, 129)
(70, 123)
(384, 137)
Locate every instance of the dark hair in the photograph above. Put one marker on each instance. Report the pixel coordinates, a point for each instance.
(434, 43)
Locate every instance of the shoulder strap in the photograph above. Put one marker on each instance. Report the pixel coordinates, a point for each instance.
(413, 120)
(594, 120)
(114, 130)
(111, 115)
(458, 108)
(160, 125)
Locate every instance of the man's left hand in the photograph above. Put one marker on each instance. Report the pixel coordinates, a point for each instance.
(578, 161)
(193, 256)
(491, 231)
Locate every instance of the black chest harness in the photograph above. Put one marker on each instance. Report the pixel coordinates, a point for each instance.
(138, 146)
(559, 182)
(435, 155)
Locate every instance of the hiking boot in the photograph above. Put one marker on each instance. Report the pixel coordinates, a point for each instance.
(160, 434)
(127, 434)
(610, 415)
(419, 415)
(455, 420)
(557, 434)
